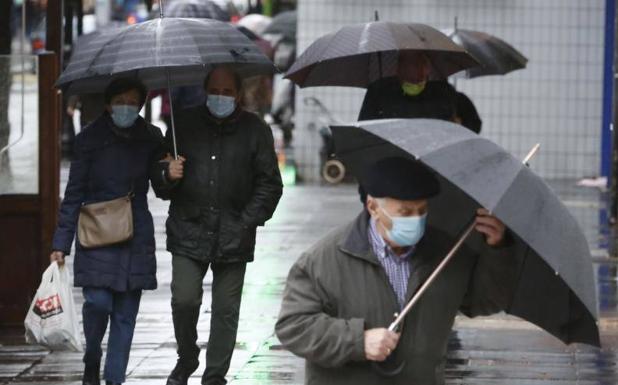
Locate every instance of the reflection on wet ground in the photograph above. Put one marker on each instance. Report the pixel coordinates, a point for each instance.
(489, 350)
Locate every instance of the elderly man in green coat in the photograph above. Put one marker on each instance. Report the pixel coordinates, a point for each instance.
(342, 293)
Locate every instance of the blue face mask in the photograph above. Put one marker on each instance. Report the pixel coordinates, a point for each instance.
(406, 231)
(124, 115)
(221, 106)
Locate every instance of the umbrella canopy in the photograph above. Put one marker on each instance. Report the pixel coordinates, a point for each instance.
(358, 55)
(199, 9)
(556, 289)
(255, 22)
(263, 45)
(496, 56)
(186, 49)
(283, 24)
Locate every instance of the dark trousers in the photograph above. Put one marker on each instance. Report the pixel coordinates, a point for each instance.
(120, 310)
(187, 280)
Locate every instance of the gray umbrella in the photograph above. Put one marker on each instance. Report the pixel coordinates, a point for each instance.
(556, 289)
(283, 24)
(358, 55)
(184, 48)
(496, 56)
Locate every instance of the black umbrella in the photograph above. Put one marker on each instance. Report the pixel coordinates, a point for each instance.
(284, 24)
(496, 56)
(556, 288)
(358, 55)
(199, 9)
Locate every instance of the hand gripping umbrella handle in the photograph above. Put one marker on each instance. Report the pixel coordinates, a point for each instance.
(445, 261)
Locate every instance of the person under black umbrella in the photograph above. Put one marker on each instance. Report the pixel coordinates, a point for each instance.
(225, 185)
(410, 93)
(342, 292)
(113, 158)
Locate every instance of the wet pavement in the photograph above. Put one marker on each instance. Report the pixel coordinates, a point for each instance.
(489, 350)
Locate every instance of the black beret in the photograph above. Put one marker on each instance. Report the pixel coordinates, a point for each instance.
(399, 178)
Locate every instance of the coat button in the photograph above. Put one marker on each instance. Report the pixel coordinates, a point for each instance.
(214, 157)
(212, 182)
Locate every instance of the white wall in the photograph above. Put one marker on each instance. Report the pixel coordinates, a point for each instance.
(556, 101)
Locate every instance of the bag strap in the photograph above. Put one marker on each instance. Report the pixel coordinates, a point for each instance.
(131, 193)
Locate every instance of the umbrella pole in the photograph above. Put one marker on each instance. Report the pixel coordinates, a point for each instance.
(446, 260)
(173, 128)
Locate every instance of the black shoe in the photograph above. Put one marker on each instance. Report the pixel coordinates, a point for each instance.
(213, 380)
(91, 375)
(179, 376)
(111, 383)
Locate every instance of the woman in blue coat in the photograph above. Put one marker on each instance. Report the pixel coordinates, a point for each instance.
(116, 154)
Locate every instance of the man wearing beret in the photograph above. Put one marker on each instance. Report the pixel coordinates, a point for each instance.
(341, 294)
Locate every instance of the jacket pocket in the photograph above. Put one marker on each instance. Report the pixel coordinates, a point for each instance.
(184, 225)
(234, 235)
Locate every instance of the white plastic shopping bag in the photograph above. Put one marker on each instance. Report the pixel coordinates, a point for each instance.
(52, 320)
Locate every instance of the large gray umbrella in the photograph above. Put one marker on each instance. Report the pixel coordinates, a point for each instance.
(556, 288)
(183, 48)
(357, 55)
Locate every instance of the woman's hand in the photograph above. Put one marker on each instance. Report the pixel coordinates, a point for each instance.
(57, 256)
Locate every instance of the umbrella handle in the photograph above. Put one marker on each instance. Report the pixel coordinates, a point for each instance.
(393, 326)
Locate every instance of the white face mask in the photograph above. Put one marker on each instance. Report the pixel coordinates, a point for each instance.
(221, 106)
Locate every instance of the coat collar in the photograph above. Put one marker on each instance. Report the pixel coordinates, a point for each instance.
(425, 258)
(356, 240)
(228, 124)
(138, 132)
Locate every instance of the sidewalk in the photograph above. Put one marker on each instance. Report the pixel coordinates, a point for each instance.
(494, 350)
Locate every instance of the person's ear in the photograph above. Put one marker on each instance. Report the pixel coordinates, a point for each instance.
(238, 96)
(372, 206)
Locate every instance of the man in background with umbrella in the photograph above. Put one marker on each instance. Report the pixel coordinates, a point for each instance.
(225, 184)
(341, 294)
(410, 94)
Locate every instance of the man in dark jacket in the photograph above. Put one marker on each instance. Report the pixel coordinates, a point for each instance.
(410, 94)
(341, 295)
(226, 183)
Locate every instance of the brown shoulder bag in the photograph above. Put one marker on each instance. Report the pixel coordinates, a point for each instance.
(105, 223)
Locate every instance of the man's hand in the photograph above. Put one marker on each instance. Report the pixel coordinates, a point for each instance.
(379, 343)
(175, 169)
(491, 227)
(57, 256)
